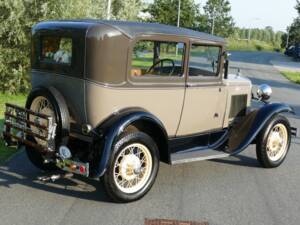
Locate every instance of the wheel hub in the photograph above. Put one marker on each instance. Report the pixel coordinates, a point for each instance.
(276, 142)
(130, 167)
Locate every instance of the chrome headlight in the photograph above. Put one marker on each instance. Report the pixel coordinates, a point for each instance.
(264, 91)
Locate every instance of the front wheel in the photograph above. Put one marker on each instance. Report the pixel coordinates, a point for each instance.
(273, 142)
(133, 167)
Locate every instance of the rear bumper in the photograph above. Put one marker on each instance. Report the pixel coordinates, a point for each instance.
(20, 122)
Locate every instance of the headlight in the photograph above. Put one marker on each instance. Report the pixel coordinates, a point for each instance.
(264, 92)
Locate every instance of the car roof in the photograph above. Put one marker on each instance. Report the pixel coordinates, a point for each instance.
(132, 29)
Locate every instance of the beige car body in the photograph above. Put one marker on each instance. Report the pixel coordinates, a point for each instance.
(99, 92)
(185, 105)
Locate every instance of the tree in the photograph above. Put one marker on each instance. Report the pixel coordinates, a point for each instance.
(293, 30)
(17, 18)
(166, 11)
(219, 20)
(126, 9)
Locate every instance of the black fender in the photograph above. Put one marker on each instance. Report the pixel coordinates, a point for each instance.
(111, 128)
(244, 133)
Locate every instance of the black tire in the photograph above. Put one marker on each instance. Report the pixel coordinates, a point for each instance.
(261, 144)
(109, 183)
(37, 159)
(62, 119)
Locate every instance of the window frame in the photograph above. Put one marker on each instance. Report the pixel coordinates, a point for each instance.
(201, 79)
(77, 67)
(158, 80)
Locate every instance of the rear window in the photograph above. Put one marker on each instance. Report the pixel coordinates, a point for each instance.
(56, 50)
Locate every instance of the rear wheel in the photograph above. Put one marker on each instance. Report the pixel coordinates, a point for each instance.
(133, 167)
(37, 159)
(49, 102)
(273, 142)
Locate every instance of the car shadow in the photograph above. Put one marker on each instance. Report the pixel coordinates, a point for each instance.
(239, 160)
(20, 171)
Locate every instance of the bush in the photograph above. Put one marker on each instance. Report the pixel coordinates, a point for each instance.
(252, 45)
(18, 16)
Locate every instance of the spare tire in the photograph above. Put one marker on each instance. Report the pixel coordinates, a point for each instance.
(48, 101)
(60, 108)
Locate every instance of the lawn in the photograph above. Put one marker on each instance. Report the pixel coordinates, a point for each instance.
(6, 152)
(292, 76)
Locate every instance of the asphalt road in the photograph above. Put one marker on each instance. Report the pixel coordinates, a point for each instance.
(228, 191)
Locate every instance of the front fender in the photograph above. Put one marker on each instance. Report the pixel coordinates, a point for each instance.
(114, 127)
(244, 133)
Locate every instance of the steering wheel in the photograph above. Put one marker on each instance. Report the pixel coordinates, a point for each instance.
(161, 62)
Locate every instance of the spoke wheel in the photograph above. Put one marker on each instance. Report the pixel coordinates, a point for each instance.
(277, 142)
(132, 168)
(47, 101)
(273, 142)
(41, 105)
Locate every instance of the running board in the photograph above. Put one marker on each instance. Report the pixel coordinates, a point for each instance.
(196, 155)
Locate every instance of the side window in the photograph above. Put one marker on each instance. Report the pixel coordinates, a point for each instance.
(204, 61)
(57, 50)
(157, 59)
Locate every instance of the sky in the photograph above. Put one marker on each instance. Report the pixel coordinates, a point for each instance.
(261, 13)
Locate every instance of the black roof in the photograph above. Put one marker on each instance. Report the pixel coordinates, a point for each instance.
(132, 29)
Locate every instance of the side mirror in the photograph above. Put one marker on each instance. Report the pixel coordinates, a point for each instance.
(264, 92)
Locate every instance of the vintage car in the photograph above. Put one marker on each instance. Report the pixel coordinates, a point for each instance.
(112, 99)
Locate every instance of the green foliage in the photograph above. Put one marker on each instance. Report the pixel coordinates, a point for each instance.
(267, 36)
(126, 10)
(294, 33)
(166, 12)
(6, 152)
(252, 45)
(218, 18)
(292, 76)
(293, 29)
(17, 18)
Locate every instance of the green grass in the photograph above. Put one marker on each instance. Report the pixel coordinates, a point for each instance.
(6, 152)
(146, 61)
(292, 76)
(252, 45)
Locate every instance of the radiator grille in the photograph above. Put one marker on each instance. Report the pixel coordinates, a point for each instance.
(238, 106)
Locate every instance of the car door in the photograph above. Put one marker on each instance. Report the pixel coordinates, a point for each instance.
(157, 67)
(205, 97)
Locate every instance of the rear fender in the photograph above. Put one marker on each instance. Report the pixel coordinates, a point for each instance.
(114, 126)
(245, 132)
